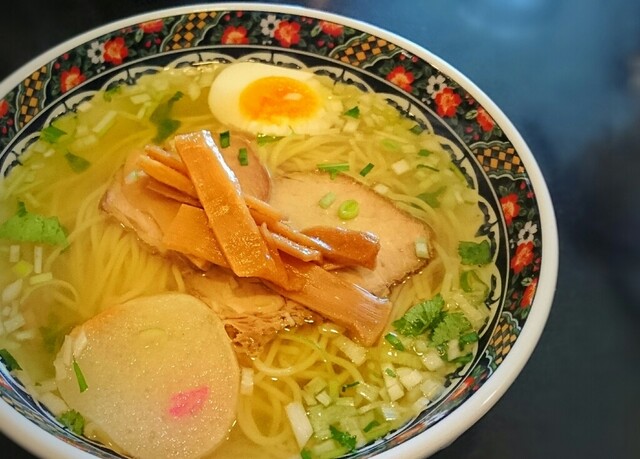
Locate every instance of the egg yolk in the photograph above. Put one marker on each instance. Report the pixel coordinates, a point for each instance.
(275, 99)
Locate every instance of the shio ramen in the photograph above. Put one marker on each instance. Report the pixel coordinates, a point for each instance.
(239, 260)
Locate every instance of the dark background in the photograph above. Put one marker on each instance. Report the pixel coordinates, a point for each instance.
(567, 73)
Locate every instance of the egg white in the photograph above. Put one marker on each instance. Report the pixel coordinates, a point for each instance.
(225, 91)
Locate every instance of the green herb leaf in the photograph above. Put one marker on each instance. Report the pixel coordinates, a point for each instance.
(51, 134)
(343, 438)
(77, 163)
(243, 157)
(468, 338)
(9, 361)
(473, 253)
(27, 227)
(73, 421)
(225, 139)
(353, 112)
(394, 341)
(82, 382)
(452, 326)
(161, 117)
(264, 139)
(421, 317)
(366, 169)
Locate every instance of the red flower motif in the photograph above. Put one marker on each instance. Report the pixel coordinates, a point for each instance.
(447, 101)
(234, 36)
(523, 257)
(401, 77)
(484, 120)
(115, 51)
(527, 297)
(331, 29)
(510, 207)
(4, 108)
(287, 33)
(152, 26)
(71, 78)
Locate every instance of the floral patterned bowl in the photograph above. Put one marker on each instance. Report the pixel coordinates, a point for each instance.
(523, 227)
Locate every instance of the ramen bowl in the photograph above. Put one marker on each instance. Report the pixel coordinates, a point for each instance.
(517, 214)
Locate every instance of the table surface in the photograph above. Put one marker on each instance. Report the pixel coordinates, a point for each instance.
(567, 73)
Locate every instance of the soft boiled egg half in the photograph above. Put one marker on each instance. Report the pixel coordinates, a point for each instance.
(268, 99)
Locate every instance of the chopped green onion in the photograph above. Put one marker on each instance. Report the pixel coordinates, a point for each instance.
(349, 209)
(394, 341)
(432, 198)
(400, 167)
(426, 166)
(390, 372)
(9, 361)
(243, 157)
(225, 139)
(333, 168)
(353, 112)
(366, 169)
(463, 359)
(422, 249)
(343, 438)
(51, 134)
(72, 420)
(417, 129)
(112, 91)
(348, 386)
(305, 454)
(77, 163)
(264, 139)
(390, 144)
(424, 152)
(82, 382)
(327, 200)
(371, 425)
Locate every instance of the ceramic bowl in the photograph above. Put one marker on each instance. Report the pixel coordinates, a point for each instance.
(520, 219)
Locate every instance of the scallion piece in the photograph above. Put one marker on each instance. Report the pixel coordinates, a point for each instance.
(424, 152)
(366, 169)
(371, 425)
(82, 382)
(9, 361)
(77, 163)
(264, 139)
(243, 157)
(333, 168)
(426, 166)
(353, 112)
(51, 134)
(394, 341)
(225, 139)
(417, 129)
(349, 209)
(328, 199)
(348, 386)
(389, 372)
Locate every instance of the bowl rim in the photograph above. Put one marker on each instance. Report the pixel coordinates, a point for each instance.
(446, 431)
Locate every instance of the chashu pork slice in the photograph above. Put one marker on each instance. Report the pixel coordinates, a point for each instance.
(297, 195)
